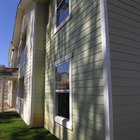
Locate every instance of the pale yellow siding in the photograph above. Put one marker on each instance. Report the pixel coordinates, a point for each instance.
(31, 105)
(25, 69)
(81, 37)
(124, 31)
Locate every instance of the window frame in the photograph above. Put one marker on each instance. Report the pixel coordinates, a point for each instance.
(59, 119)
(65, 20)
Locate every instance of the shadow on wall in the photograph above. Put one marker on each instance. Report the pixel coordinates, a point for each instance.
(83, 39)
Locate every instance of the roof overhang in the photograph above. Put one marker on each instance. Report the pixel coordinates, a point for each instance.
(23, 4)
(11, 78)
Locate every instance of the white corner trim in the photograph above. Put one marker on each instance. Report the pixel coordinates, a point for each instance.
(32, 70)
(106, 71)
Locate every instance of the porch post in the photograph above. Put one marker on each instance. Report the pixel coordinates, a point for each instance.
(3, 91)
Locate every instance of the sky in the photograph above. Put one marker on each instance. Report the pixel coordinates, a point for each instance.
(7, 19)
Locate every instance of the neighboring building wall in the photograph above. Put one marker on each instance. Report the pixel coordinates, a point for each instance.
(124, 31)
(81, 36)
(23, 105)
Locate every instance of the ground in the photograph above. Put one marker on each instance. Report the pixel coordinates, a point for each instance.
(12, 127)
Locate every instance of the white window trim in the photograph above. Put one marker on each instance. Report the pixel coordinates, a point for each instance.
(64, 21)
(62, 91)
(58, 119)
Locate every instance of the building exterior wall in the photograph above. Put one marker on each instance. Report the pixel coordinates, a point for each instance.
(80, 37)
(80, 41)
(124, 32)
(29, 57)
(23, 104)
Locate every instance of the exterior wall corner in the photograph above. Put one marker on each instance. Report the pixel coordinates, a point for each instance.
(106, 71)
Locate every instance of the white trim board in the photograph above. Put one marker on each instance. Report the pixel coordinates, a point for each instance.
(106, 71)
(32, 71)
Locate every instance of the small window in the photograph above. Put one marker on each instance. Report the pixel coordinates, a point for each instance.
(22, 51)
(21, 87)
(23, 43)
(62, 90)
(62, 11)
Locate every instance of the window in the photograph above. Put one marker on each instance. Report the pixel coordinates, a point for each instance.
(62, 11)
(23, 43)
(62, 94)
(22, 51)
(21, 87)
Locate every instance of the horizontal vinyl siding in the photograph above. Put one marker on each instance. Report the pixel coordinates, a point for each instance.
(26, 68)
(80, 36)
(124, 31)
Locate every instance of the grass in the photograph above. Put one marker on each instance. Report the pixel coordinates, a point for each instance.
(13, 128)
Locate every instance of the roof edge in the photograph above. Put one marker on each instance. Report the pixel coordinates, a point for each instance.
(23, 4)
